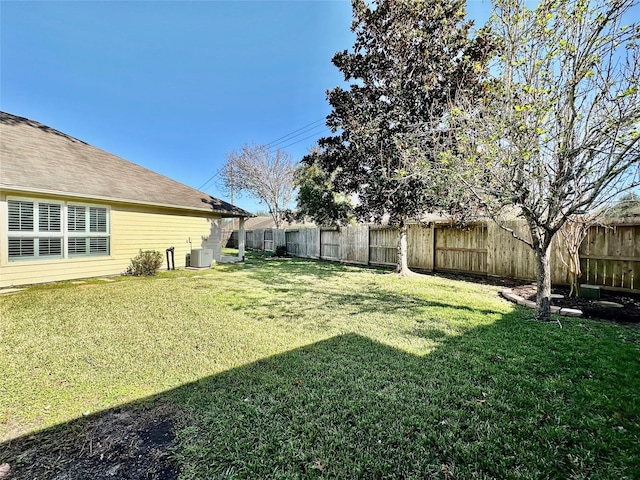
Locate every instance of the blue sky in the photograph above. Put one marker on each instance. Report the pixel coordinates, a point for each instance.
(173, 86)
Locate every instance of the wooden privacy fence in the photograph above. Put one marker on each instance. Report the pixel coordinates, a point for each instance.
(609, 256)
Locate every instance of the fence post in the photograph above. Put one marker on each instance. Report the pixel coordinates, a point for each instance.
(368, 244)
(433, 246)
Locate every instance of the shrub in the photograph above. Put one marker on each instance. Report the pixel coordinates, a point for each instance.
(281, 251)
(145, 263)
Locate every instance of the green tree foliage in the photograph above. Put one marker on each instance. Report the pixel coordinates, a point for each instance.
(411, 59)
(316, 197)
(559, 136)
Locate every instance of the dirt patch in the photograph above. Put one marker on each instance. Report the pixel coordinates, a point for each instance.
(628, 312)
(118, 444)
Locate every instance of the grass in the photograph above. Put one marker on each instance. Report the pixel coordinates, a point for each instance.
(303, 369)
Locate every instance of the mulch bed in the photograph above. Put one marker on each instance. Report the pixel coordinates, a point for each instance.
(591, 308)
(628, 313)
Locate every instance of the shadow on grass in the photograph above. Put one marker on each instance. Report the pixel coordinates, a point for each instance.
(515, 399)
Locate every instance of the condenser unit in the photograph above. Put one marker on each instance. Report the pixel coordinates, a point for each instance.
(201, 257)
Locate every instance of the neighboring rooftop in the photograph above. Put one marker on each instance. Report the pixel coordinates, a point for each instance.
(265, 222)
(38, 158)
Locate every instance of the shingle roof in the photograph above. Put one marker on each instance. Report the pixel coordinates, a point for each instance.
(35, 157)
(265, 222)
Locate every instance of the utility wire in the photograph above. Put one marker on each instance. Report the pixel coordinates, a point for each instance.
(301, 140)
(280, 140)
(304, 132)
(211, 178)
(295, 131)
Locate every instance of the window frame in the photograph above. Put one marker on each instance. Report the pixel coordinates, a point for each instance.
(87, 234)
(63, 234)
(35, 234)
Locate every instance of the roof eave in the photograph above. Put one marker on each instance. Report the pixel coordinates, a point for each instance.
(59, 193)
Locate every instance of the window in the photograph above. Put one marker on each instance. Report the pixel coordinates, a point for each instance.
(31, 239)
(88, 229)
(36, 230)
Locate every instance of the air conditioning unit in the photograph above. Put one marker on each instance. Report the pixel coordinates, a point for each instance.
(201, 257)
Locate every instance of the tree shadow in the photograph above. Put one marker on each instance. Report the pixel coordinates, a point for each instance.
(513, 399)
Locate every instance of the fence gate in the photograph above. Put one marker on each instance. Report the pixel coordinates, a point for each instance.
(330, 245)
(268, 240)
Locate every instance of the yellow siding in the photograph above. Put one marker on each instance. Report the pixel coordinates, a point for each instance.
(132, 228)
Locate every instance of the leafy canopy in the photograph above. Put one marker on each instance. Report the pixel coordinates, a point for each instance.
(411, 59)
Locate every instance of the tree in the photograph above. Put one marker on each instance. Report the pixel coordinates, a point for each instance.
(559, 136)
(316, 196)
(409, 60)
(572, 233)
(262, 174)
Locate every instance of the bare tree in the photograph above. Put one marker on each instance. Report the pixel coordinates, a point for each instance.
(559, 134)
(572, 233)
(262, 174)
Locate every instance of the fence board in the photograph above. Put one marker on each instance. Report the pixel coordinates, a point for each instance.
(292, 242)
(507, 256)
(609, 256)
(330, 245)
(268, 240)
(279, 238)
(355, 244)
(461, 250)
(383, 246)
(420, 247)
(312, 242)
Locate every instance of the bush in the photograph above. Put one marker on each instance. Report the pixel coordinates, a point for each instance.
(281, 251)
(146, 263)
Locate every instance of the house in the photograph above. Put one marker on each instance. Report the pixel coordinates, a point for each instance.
(69, 210)
(260, 233)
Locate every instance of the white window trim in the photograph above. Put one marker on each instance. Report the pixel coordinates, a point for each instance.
(64, 234)
(87, 233)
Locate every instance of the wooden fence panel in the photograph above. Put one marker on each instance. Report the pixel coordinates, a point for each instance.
(279, 239)
(354, 242)
(330, 245)
(507, 256)
(610, 256)
(312, 242)
(383, 246)
(268, 240)
(248, 239)
(292, 242)
(511, 258)
(420, 247)
(461, 250)
(255, 239)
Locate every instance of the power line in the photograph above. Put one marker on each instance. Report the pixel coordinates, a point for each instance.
(301, 140)
(211, 178)
(295, 131)
(304, 132)
(283, 139)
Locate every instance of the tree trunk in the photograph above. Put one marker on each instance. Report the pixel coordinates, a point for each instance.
(402, 267)
(543, 280)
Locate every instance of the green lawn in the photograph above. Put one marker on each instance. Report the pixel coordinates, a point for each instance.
(304, 369)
